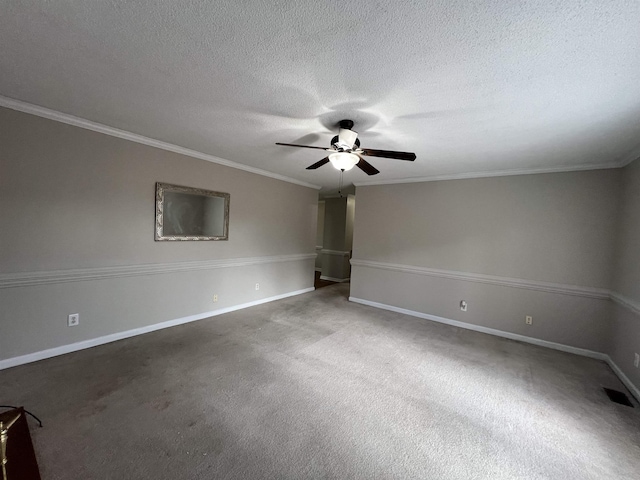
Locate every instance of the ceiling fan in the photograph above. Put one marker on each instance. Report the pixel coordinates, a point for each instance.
(346, 152)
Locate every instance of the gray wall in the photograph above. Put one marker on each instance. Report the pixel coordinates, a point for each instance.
(553, 227)
(627, 273)
(76, 199)
(320, 224)
(319, 235)
(337, 237)
(481, 240)
(351, 217)
(335, 223)
(625, 339)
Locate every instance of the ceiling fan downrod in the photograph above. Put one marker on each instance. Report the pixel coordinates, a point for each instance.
(348, 124)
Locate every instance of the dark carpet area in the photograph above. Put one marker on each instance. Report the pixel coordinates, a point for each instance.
(319, 283)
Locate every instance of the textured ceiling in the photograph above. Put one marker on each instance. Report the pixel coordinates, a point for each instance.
(470, 86)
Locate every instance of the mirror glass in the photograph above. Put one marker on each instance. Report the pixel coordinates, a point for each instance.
(185, 213)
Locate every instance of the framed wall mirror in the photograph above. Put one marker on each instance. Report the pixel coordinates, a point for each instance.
(185, 213)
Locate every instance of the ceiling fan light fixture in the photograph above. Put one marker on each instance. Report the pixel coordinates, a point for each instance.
(345, 152)
(343, 160)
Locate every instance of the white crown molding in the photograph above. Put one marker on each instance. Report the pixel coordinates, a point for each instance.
(53, 352)
(68, 119)
(512, 336)
(497, 173)
(28, 279)
(337, 253)
(43, 112)
(489, 279)
(626, 302)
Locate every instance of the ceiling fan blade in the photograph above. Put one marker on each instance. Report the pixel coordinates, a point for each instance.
(389, 154)
(301, 146)
(322, 162)
(366, 167)
(347, 137)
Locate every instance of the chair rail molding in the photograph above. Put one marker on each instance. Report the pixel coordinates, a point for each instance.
(337, 253)
(560, 288)
(626, 302)
(27, 279)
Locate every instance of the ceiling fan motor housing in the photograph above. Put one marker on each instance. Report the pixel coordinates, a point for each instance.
(336, 139)
(348, 124)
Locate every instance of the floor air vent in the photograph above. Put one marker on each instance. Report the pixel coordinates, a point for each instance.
(618, 397)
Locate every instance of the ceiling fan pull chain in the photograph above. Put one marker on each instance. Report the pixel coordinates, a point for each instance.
(340, 184)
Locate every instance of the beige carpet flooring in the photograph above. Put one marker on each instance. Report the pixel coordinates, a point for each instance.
(316, 387)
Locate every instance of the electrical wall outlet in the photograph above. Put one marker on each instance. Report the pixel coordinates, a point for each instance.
(215, 298)
(73, 320)
(257, 286)
(528, 320)
(636, 361)
(463, 305)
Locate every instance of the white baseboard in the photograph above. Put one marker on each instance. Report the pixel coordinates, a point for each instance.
(332, 279)
(512, 336)
(73, 347)
(635, 391)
